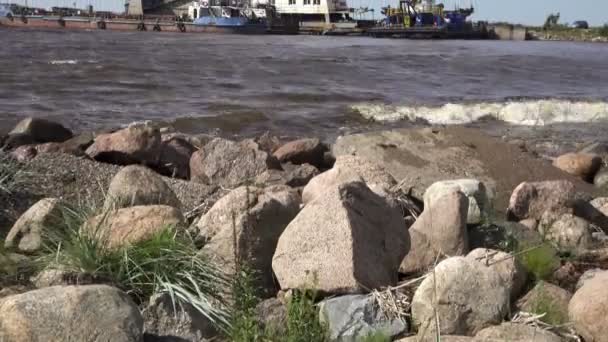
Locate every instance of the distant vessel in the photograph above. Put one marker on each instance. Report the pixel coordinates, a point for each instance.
(223, 18)
(5, 11)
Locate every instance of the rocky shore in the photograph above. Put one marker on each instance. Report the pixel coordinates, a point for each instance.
(421, 234)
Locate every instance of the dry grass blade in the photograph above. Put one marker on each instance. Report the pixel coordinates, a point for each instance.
(565, 331)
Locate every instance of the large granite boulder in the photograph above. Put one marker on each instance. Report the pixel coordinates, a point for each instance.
(126, 226)
(137, 144)
(463, 294)
(349, 240)
(230, 164)
(137, 185)
(510, 269)
(441, 230)
(71, 313)
(348, 169)
(355, 317)
(566, 231)
(246, 224)
(588, 309)
(27, 233)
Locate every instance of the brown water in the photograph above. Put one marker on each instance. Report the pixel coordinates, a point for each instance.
(293, 84)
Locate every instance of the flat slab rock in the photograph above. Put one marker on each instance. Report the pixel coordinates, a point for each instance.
(420, 157)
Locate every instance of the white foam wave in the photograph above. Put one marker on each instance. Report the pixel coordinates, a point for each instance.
(530, 113)
(62, 62)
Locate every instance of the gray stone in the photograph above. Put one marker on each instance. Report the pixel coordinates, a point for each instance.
(71, 313)
(230, 164)
(137, 185)
(479, 197)
(354, 317)
(465, 295)
(27, 233)
(176, 321)
(349, 240)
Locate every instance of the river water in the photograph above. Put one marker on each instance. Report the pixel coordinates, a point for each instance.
(293, 84)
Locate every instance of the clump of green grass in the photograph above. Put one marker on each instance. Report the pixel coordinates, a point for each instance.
(10, 174)
(302, 321)
(540, 261)
(166, 263)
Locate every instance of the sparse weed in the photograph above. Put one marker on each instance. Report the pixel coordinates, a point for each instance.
(377, 337)
(10, 174)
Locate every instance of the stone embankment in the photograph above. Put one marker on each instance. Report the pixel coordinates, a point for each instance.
(409, 234)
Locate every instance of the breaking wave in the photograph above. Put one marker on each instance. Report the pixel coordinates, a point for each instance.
(529, 113)
(63, 62)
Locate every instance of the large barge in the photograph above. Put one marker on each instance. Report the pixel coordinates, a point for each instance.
(218, 18)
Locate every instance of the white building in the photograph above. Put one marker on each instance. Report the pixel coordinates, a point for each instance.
(328, 11)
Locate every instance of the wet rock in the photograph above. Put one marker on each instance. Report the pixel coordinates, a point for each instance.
(272, 314)
(479, 197)
(177, 321)
(441, 230)
(510, 270)
(515, 333)
(533, 199)
(303, 151)
(251, 225)
(134, 224)
(354, 317)
(175, 154)
(71, 313)
(567, 231)
(41, 130)
(546, 298)
(582, 165)
(346, 241)
(136, 185)
(588, 309)
(348, 169)
(27, 233)
(230, 164)
(465, 295)
(138, 144)
(14, 141)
